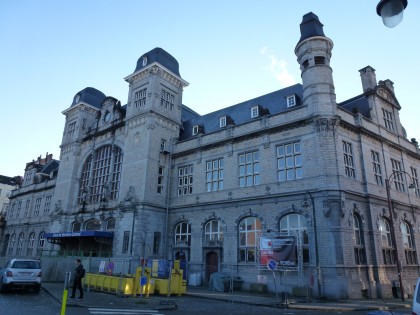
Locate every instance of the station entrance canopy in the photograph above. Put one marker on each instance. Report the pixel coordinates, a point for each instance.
(62, 238)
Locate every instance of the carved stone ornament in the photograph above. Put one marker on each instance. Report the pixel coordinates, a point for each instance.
(325, 124)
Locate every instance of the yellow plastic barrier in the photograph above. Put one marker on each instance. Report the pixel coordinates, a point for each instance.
(122, 285)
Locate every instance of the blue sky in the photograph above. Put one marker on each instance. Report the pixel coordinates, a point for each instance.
(229, 52)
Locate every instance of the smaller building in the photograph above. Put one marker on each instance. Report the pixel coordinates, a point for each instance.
(29, 209)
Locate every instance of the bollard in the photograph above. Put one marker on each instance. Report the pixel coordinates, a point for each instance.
(65, 293)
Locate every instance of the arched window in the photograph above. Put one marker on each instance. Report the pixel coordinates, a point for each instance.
(110, 224)
(183, 234)
(249, 232)
(101, 175)
(76, 226)
(20, 244)
(31, 244)
(41, 243)
(213, 231)
(359, 246)
(12, 242)
(296, 224)
(93, 225)
(408, 243)
(386, 240)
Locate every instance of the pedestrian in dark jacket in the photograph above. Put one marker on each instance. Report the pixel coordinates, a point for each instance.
(77, 283)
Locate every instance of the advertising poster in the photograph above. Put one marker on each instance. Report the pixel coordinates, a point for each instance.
(282, 249)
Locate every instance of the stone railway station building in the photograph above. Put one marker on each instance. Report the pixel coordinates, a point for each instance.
(154, 178)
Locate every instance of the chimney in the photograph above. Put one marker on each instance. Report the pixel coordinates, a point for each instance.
(390, 85)
(368, 78)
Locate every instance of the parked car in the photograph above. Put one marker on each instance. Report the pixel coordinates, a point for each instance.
(21, 273)
(416, 299)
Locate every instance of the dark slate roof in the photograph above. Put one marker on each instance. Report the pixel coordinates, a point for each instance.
(310, 26)
(274, 102)
(90, 96)
(160, 56)
(6, 180)
(357, 104)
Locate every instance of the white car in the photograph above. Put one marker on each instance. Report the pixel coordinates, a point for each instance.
(21, 273)
(416, 299)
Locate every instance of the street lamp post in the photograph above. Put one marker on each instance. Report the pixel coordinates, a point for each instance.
(391, 219)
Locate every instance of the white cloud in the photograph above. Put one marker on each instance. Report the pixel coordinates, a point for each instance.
(278, 67)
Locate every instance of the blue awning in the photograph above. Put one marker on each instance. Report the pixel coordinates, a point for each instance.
(61, 237)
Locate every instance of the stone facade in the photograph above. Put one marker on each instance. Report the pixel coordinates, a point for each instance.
(169, 183)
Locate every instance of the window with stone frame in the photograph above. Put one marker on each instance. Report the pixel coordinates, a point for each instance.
(249, 233)
(47, 204)
(185, 180)
(255, 111)
(101, 175)
(249, 169)
(76, 226)
(167, 100)
(27, 206)
(140, 98)
(213, 231)
(37, 206)
(41, 243)
(376, 164)
(293, 224)
(12, 243)
(93, 225)
(71, 130)
(126, 242)
(388, 119)
(161, 171)
(415, 179)
(408, 243)
(11, 213)
(31, 244)
(214, 174)
(110, 224)
(359, 243)
(19, 250)
(222, 122)
(289, 161)
(19, 206)
(183, 234)
(291, 101)
(348, 159)
(398, 177)
(388, 248)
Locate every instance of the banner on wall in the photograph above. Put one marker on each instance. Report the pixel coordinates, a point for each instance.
(281, 249)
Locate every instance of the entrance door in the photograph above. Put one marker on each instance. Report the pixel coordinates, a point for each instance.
(212, 262)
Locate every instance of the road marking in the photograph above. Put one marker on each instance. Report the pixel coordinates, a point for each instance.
(119, 311)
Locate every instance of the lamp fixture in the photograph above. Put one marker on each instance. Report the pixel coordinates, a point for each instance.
(391, 11)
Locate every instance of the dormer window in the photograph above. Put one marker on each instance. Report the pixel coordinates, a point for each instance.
(255, 112)
(222, 121)
(144, 61)
(195, 130)
(291, 100)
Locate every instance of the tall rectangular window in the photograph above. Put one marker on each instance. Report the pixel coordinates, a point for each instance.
(185, 180)
(126, 242)
(214, 175)
(377, 168)
(12, 211)
(140, 98)
(398, 175)
(47, 204)
(289, 161)
(291, 101)
(167, 100)
(222, 121)
(28, 178)
(156, 242)
(37, 206)
(415, 180)
(254, 111)
(348, 159)
(388, 119)
(160, 180)
(249, 169)
(19, 206)
(71, 129)
(26, 213)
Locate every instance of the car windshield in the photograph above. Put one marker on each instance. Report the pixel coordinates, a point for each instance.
(26, 265)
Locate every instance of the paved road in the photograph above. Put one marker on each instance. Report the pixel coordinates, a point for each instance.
(25, 302)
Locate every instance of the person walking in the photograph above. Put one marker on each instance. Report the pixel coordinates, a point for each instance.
(77, 283)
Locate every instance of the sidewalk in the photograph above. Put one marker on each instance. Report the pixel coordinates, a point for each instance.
(157, 302)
